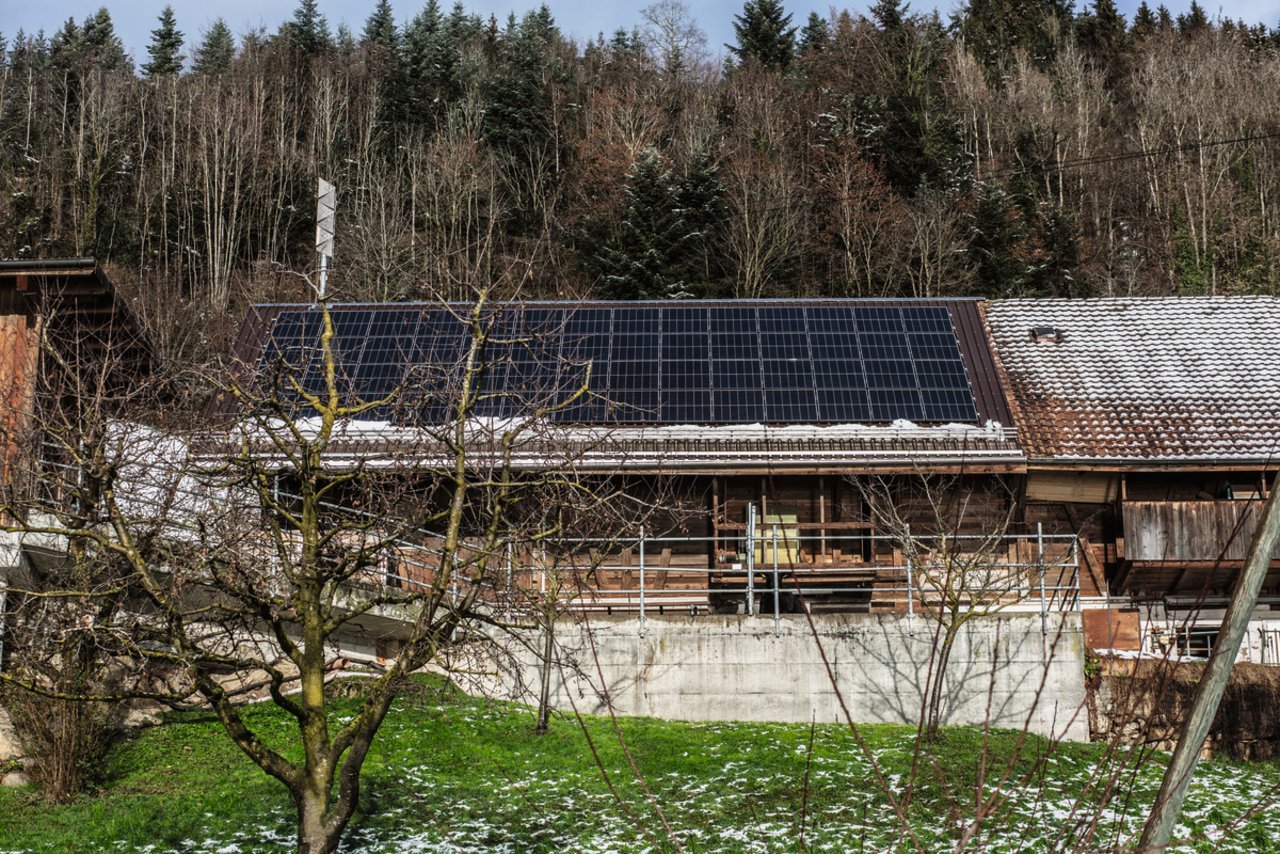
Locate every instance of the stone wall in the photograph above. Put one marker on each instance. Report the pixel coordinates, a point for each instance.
(1146, 701)
(1004, 669)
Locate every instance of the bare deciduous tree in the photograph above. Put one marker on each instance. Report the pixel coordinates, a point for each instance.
(253, 558)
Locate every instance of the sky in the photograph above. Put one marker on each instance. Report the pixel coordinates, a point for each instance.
(582, 19)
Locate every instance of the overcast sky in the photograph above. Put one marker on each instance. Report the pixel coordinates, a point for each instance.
(579, 18)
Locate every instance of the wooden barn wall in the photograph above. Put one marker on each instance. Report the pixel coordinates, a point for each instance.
(19, 353)
(1190, 530)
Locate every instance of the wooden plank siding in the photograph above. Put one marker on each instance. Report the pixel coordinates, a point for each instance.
(19, 352)
(1189, 530)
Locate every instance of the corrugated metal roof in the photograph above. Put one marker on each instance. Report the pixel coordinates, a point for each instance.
(1142, 379)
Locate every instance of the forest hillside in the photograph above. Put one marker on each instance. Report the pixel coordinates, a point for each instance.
(1021, 147)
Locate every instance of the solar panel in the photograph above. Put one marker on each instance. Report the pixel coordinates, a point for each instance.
(644, 363)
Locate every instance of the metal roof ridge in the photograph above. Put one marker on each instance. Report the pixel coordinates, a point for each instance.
(35, 265)
(599, 303)
(1142, 299)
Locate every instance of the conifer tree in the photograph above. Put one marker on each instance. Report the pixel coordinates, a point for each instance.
(1194, 22)
(384, 52)
(620, 45)
(463, 28)
(64, 47)
(647, 259)
(995, 238)
(308, 32)
(813, 38)
(17, 55)
(29, 52)
(1144, 21)
(344, 41)
(216, 50)
(164, 52)
(995, 29)
(888, 14)
(1102, 33)
(764, 35)
(100, 46)
(518, 100)
(430, 63)
(380, 33)
(700, 195)
(663, 248)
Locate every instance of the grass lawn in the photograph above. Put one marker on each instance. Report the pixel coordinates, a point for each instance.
(452, 773)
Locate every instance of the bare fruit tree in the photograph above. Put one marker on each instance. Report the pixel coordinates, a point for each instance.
(953, 538)
(315, 529)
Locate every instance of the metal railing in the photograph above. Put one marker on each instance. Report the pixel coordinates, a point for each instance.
(777, 573)
(772, 568)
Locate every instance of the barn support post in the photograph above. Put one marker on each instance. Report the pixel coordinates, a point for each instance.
(777, 618)
(641, 550)
(751, 559)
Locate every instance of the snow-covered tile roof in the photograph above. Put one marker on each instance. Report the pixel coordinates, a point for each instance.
(1169, 378)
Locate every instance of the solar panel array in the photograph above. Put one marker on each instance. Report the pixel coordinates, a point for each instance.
(656, 363)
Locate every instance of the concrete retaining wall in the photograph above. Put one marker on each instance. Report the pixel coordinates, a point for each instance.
(1004, 669)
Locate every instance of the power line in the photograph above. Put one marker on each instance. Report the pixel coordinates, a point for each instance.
(1063, 165)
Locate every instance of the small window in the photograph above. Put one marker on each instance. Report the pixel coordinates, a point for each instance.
(1048, 334)
(1200, 642)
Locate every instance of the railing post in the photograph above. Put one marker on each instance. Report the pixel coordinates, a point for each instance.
(751, 559)
(911, 605)
(1075, 573)
(453, 593)
(777, 619)
(1044, 614)
(511, 568)
(642, 581)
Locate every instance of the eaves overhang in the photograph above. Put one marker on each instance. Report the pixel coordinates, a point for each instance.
(1152, 464)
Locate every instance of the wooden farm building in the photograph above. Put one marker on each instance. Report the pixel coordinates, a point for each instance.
(1105, 455)
(819, 454)
(1100, 455)
(63, 331)
(60, 317)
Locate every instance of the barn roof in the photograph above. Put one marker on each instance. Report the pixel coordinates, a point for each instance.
(897, 377)
(1142, 380)
(79, 306)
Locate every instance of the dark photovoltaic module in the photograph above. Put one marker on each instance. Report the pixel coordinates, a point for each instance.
(643, 363)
